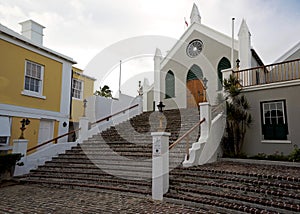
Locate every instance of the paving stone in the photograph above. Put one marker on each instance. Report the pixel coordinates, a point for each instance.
(37, 199)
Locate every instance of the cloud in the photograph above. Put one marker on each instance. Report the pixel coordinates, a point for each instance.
(80, 29)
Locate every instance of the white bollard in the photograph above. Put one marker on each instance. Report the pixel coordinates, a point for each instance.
(205, 112)
(20, 146)
(84, 125)
(160, 164)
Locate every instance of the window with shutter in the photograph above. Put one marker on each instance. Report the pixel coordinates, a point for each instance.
(274, 121)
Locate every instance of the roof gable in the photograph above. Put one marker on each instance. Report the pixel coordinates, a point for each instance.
(289, 53)
(220, 37)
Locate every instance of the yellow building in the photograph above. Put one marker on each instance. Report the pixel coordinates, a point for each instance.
(82, 88)
(35, 83)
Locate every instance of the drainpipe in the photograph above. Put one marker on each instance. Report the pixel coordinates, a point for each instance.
(70, 116)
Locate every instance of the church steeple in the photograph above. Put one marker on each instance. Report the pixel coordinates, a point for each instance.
(244, 46)
(195, 15)
(244, 30)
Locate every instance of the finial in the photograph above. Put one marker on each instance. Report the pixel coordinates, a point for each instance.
(195, 15)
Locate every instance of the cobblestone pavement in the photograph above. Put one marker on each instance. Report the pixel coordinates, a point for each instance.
(36, 199)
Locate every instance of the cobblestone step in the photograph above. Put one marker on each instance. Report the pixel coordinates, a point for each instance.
(204, 200)
(131, 169)
(145, 163)
(78, 185)
(93, 179)
(131, 175)
(265, 189)
(273, 183)
(266, 204)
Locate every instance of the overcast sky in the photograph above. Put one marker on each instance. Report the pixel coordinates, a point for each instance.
(82, 28)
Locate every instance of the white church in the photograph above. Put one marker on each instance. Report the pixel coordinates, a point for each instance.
(203, 57)
(200, 54)
(191, 75)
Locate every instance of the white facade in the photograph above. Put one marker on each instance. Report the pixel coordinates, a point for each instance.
(216, 46)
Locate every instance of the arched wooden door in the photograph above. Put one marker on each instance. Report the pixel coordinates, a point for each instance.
(194, 87)
(195, 93)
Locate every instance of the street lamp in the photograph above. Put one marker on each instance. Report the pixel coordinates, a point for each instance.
(205, 87)
(238, 64)
(160, 107)
(24, 123)
(84, 107)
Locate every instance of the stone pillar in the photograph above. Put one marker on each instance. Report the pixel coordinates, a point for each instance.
(145, 95)
(140, 102)
(20, 146)
(160, 164)
(205, 112)
(84, 125)
(157, 89)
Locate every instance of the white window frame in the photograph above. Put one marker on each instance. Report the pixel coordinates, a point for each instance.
(27, 92)
(275, 102)
(81, 89)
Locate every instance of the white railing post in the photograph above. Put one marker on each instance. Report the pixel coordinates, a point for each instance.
(205, 112)
(160, 164)
(20, 146)
(84, 125)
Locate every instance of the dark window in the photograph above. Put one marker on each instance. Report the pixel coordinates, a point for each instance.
(170, 84)
(223, 64)
(274, 121)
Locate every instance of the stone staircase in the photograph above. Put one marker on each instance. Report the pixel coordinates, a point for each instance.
(118, 158)
(238, 187)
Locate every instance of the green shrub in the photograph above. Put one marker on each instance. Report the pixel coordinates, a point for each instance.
(259, 156)
(295, 154)
(278, 157)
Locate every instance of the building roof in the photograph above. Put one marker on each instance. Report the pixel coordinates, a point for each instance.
(14, 35)
(79, 72)
(290, 52)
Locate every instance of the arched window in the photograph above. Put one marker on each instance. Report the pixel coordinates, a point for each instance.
(170, 85)
(223, 64)
(194, 73)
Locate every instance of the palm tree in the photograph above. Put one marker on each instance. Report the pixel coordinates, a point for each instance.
(238, 117)
(104, 92)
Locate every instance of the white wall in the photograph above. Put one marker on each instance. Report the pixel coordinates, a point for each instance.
(101, 107)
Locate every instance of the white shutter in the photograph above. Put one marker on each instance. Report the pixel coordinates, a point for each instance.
(4, 127)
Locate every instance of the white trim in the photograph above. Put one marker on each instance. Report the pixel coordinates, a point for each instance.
(5, 148)
(288, 53)
(18, 111)
(271, 85)
(32, 94)
(80, 90)
(276, 141)
(41, 86)
(273, 102)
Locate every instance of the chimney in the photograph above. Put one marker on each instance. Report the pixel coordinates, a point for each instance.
(33, 31)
